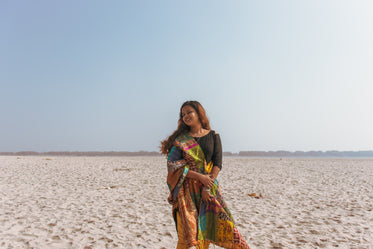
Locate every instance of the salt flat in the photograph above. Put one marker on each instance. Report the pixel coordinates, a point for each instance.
(120, 202)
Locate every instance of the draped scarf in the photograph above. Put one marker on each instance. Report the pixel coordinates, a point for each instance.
(201, 221)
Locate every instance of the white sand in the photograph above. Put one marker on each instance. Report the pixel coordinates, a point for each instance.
(66, 202)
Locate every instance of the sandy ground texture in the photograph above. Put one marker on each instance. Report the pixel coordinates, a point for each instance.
(120, 202)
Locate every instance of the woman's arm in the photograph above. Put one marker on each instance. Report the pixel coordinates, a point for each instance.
(206, 196)
(217, 157)
(215, 173)
(206, 180)
(217, 160)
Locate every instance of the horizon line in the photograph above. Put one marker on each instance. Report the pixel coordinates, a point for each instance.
(151, 151)
(280, 153)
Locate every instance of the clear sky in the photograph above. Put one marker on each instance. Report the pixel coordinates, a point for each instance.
(111, 75)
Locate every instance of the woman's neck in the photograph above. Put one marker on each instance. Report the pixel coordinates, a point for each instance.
(196, 129)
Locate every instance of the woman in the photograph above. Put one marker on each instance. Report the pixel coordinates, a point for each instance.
(194, 162)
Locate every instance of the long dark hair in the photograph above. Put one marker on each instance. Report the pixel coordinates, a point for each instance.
(182, 128)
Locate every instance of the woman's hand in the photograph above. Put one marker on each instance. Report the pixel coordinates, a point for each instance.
(206, 196)
(215, 172)
(206, 181)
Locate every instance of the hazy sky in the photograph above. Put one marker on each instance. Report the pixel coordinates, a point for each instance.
(111, 75)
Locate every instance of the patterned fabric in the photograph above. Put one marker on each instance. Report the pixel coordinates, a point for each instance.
(201, 223)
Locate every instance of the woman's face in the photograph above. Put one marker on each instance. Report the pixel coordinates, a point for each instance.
(189, 115)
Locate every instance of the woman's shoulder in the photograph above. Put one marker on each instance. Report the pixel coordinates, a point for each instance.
(213, 132)
(181, 137)
(210, 133)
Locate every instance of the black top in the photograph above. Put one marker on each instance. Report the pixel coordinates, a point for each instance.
(211, 146)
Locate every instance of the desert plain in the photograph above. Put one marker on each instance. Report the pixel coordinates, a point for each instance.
(121, 202)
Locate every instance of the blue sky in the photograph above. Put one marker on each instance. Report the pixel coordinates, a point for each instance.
(111, 76)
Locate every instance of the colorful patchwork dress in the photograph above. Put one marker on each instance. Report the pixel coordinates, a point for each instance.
(198, 224)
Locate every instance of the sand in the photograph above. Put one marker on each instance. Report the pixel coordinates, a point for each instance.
(120, 202)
